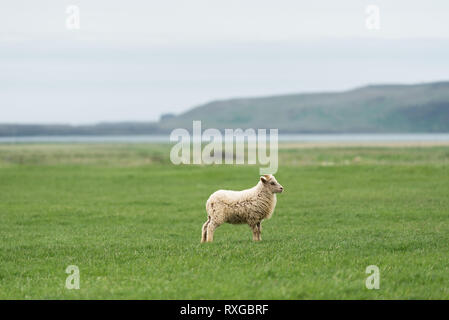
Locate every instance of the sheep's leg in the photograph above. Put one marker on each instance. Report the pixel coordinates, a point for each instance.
(259, 231)
(256, 232)
(210, 231)
(255, 238)
(204, 231)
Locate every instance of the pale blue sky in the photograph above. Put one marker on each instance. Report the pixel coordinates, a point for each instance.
(133, 60)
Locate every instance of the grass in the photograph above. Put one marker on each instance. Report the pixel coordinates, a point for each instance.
(131, 221)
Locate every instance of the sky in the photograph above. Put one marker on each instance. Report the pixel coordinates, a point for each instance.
(135, 60)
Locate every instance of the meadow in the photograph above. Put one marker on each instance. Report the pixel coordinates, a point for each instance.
(131, 221)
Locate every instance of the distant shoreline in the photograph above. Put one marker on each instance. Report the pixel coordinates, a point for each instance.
(285, 140)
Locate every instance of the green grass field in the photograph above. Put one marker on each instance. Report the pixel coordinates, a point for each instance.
(131, 221)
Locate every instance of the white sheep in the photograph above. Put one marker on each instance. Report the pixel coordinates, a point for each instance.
(249, 206)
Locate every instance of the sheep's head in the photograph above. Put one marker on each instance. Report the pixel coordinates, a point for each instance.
(270, 182)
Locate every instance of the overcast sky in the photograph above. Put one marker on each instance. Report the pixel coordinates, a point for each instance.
(133, 60)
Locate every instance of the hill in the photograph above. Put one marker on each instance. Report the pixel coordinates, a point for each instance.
(376, 108)
(371, 109)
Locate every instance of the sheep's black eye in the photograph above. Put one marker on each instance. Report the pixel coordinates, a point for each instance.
(272, 183)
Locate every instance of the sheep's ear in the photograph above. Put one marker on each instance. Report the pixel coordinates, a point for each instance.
(263, 179)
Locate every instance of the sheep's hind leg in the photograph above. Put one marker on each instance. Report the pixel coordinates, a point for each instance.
(259, 231)
(210, 231)
(204, 230)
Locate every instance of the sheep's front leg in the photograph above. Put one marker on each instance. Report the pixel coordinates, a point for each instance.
(259, 231)
(256, 231)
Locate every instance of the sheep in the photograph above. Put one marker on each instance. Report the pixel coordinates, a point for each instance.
(249, 206)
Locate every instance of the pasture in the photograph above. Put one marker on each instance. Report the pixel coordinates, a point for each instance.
(131, 221)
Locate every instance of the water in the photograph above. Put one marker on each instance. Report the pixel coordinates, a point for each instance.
(315, 138)
(88, 139)
(381, 137)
